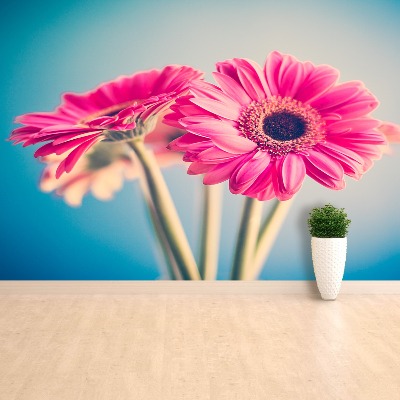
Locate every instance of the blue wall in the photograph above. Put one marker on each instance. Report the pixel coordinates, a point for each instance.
(56, 46)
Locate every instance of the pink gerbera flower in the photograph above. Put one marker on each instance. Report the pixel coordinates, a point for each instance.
(101, 171)
(266, 129)
(114, 111)
(104, 167)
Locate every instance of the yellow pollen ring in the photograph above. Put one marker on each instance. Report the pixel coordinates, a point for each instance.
(252, 118)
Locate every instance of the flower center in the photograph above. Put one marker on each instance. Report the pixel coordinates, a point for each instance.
(284, 126)
(281, 125)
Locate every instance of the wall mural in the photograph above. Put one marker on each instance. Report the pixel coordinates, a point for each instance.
(226, 160)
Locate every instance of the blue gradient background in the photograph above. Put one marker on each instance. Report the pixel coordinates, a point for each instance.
(50, 47)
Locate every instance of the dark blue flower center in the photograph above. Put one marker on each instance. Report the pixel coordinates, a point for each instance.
(284, 126)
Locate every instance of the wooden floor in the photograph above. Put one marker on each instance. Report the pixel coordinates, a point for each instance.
(173, 347)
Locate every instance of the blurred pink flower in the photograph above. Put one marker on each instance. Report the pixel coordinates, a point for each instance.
(114, 111)
(102, 179)
(266, 129)
(392, 134)
(104, 167)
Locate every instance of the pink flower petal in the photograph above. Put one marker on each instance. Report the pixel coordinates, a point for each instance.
(41, 120)
(351, 163)
(325, 164)
(257, 76)
(67, 137)
(324, 179)
(175, 78)
(337, 95)
(338, 151)
(192, 109)
(320, 80)
(391, 131)
(355, 125)
(250, 170)
(217, 108)
(182, 143)
(251, 83)
(199, 119)
(25, 135)
(165, 81)
(143, 84)
(64, 129)
(210, 91)
(271, 71)
(350, 100)
(213, 128)
(221, 172)
(78, 104)
(291, 79)
(199, 146)
(372, 137)
(234, 144)
(262, 183)
(357, 109)
(74, 156)
(215, 155)
(197, 168)
(266, 194)
(152, 110)
(73, 194)
(248, 74)
(247, 172)
(228, 68)
(232, 88)
(63, 147)
(362, 149)
(292, 173)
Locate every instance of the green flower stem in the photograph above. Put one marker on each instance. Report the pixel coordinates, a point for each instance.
(268, 233)
(247, 239)
(166, 213)
(210, 231)
(162, 240)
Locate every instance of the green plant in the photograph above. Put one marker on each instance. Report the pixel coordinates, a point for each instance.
(328, 222)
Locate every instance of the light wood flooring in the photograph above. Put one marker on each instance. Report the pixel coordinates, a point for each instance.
(220, 347)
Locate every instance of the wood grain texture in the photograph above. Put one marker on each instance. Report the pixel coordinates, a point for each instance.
(199, 347)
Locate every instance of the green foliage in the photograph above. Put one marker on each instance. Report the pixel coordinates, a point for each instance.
(328, 222)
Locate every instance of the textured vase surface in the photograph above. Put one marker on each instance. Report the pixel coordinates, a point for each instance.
(329, 258)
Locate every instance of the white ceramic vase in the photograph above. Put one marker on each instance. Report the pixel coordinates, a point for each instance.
(329, 258)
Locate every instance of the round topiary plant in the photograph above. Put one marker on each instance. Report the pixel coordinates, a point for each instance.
(328, 222)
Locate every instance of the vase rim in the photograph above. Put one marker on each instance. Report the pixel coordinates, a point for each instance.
(330, 238)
